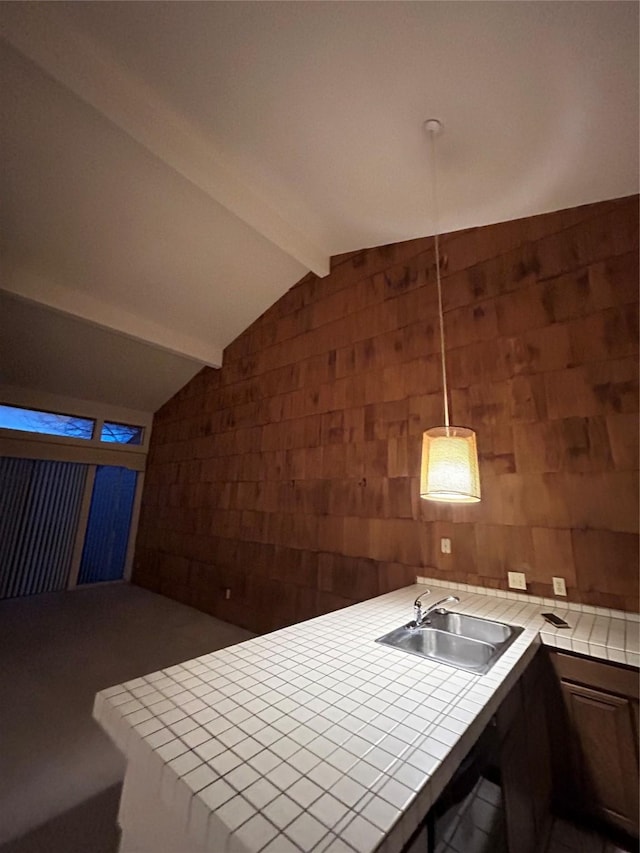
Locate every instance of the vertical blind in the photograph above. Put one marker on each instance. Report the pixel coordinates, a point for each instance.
(107, 537)
(39, 508)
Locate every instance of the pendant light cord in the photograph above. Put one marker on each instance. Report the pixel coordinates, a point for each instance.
(434, 195)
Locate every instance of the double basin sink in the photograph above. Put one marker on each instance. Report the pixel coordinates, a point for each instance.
(466, 642)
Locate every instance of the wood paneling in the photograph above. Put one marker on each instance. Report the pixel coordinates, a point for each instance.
(290, 474)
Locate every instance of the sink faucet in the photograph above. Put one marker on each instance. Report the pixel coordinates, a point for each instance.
(421, 616)
(418, 612)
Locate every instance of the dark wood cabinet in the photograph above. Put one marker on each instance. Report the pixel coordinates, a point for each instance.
(596, 737)
(525, 762)
(537, 740)
(517, 793)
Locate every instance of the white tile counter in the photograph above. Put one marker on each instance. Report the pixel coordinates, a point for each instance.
(316, 738)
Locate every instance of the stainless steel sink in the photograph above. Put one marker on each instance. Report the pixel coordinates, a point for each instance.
(466, 642)
(442, 646)
(471, 626)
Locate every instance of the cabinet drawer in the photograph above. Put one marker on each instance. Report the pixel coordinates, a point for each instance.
(607, 676)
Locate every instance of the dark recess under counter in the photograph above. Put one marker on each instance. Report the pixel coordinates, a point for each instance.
(564, 741)
(512, 753)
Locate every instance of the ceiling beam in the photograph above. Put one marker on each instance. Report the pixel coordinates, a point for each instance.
(26, 284)
(41, 33)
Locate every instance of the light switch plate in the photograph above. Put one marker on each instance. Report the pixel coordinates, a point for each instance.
(445, 545)
(517, 580)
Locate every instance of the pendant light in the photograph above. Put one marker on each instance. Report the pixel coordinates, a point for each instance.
(449, 468)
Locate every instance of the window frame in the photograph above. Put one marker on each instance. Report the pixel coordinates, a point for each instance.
(36, 445)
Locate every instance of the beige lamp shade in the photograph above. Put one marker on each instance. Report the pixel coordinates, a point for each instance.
(449, 469)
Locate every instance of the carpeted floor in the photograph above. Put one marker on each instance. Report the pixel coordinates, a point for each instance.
(60, 775)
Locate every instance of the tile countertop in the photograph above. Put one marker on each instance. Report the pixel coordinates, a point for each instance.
(316, 738)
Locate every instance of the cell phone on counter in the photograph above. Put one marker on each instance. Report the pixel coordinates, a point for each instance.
(556, 621)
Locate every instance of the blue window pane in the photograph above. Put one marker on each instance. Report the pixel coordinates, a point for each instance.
(46, 423)
(121, 433)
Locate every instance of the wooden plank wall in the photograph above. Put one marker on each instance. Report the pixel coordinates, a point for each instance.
(290, 476)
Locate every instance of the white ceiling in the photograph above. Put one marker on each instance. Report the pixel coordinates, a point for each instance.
(55, 353)
(170, 169)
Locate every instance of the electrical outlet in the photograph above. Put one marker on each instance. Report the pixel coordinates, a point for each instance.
(559, 586)
(227, 594)
(517, 580)
(445, 545)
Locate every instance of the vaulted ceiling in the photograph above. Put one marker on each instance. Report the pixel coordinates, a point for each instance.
(170, 169)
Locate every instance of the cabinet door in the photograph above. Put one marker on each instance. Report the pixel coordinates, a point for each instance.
(604, 754)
